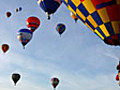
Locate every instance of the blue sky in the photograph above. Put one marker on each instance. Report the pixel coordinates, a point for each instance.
(79, 58)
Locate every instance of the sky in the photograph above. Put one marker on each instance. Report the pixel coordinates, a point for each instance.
(79, 58)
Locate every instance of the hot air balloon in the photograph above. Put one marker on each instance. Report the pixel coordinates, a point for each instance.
(74, 17)
(101, 16)
(18, 9)
(118, 66)
(54, 82)
(60, 28)
(49, 6)
(8, 14)
(5, 47)
(117, 77)
(15, 77)
(24, 36)
(32, 23)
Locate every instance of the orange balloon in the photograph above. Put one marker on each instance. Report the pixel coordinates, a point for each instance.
(74, 17)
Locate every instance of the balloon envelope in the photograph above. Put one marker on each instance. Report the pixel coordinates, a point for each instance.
(60, 28)
(32, 23)
(24, 36)
(118, 67)
(5, 47)
(54, 82)
(117, 77)
(101, 16)
(8, 14)
(18, 9)
(49, 6)
(15, 77)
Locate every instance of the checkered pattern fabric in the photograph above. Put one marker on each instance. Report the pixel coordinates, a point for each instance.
(101, 16)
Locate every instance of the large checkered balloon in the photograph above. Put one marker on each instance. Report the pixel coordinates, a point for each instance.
(101, 16)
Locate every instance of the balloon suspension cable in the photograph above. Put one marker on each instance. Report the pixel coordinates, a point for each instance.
(14, 84)
(48, 15)
(54, 89)
(75, 21)
(23, 47)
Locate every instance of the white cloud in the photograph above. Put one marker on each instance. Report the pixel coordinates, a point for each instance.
(72, 58)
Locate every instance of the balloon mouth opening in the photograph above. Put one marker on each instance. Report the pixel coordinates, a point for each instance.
(14, 84)
(33, 28)
(24, 45)
(76, 20)
(4, 51)
(48, 17)
(113, 40)
(54, 86)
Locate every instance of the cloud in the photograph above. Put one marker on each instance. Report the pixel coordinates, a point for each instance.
(78, 59)
(36, 75)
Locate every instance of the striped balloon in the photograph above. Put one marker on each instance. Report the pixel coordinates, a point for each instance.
(24, 36)
(60, 28)
(33, 23)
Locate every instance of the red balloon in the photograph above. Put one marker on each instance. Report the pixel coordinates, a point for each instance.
(8, 14)
(117, 77)
(33, 23)
(55, 82)
(4, 47)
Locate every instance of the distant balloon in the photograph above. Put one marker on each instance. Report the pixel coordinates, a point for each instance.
(49, 6)
(60, 28)
(8, 14)
(18, 9)
(32, 23)
(54, 82)
(117, 77)
(101, 16)
(118, 66)
(15, 77)
(24, 36)
(4, 47)
(74, 17)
